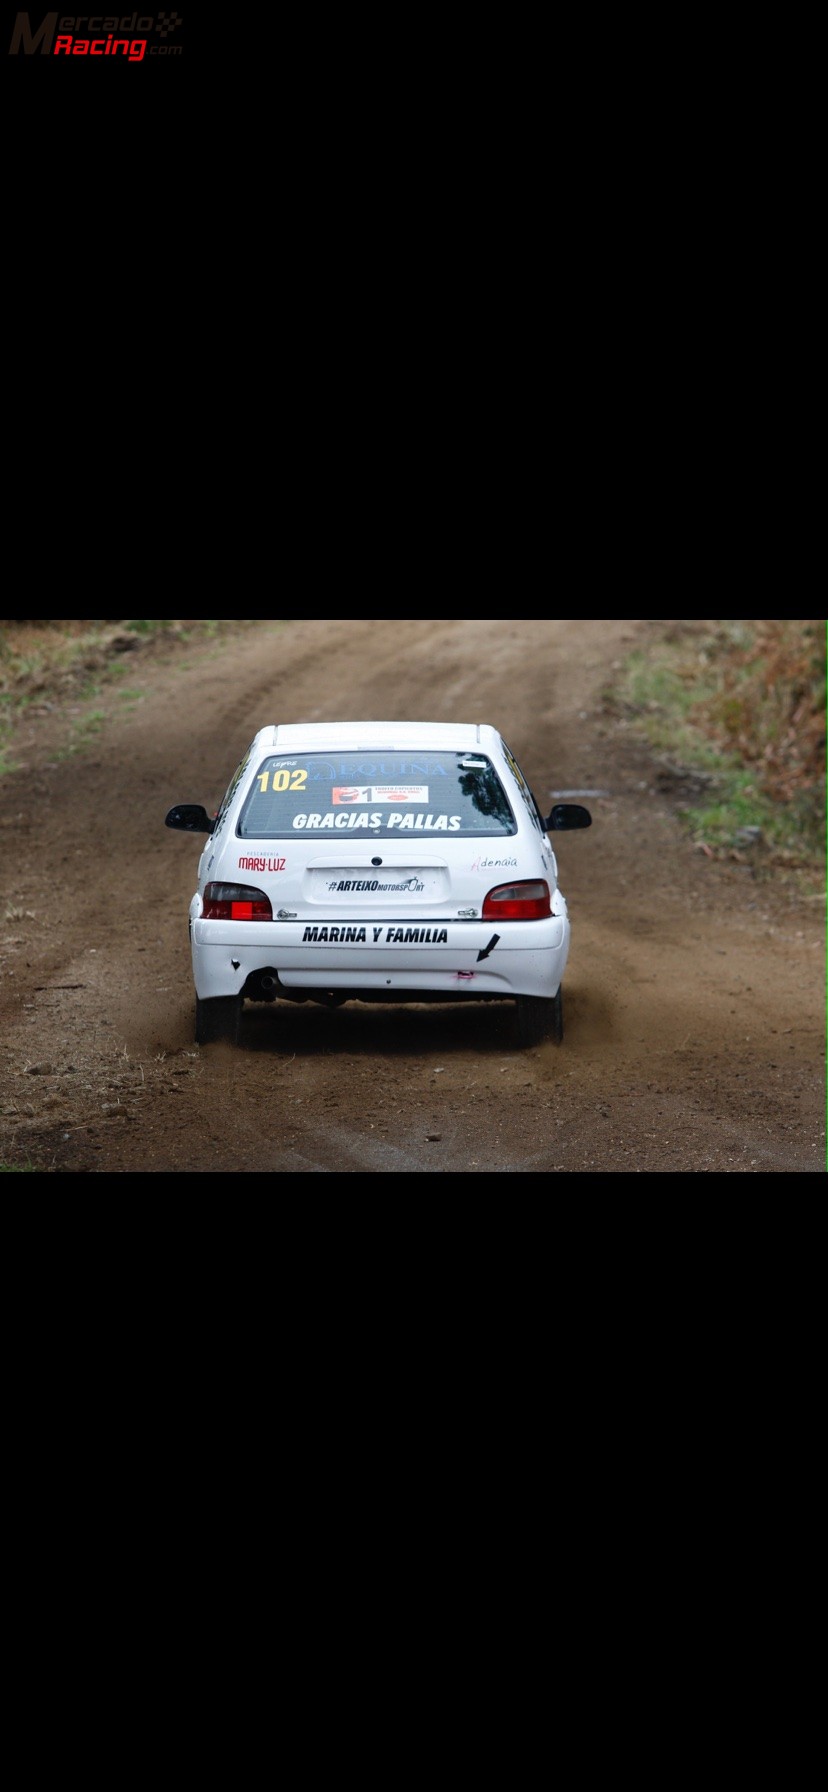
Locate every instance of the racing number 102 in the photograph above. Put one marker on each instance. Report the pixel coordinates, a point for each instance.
(282, 779)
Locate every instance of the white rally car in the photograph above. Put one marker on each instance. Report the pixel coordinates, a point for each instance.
(378, 861)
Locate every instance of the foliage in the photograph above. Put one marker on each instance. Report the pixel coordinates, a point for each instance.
(46, 663)
(744, 705)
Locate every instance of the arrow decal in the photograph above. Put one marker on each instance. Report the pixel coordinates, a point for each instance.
(490, 948)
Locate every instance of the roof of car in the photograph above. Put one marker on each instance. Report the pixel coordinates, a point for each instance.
(287, 737)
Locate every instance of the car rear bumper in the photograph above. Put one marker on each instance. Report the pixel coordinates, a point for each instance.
(518, 958)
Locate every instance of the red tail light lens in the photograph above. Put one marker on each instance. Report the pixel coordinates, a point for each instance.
(518, 902)
(235, 902)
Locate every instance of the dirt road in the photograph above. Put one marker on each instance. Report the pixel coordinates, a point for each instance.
(694, 994)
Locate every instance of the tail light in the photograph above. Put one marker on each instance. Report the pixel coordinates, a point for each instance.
(235, 902)
(518, 902)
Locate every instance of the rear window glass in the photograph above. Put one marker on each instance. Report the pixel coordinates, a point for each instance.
(375, 794)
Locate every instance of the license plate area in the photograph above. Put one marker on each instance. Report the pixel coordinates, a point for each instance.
(375, 886)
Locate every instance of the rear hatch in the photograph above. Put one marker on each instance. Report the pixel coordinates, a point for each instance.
(400, 882)
(357, 833)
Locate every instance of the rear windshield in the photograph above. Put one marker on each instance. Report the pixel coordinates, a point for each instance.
(376, 794)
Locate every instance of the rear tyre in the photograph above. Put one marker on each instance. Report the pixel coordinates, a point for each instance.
(218, 1018)
(538, 1018)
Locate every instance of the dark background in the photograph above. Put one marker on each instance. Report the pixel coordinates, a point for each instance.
(81, 129)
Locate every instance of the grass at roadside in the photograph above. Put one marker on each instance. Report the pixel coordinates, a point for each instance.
(742, 707)
(44, 664)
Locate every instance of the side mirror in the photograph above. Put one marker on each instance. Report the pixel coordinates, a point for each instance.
(567, 815)
(192, 818)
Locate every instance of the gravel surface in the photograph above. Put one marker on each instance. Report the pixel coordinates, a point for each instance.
(694, 998)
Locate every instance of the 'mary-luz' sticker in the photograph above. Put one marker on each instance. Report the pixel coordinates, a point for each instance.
(250, 862)
(379, 793)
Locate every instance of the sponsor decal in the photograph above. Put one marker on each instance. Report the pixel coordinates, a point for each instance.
(260, 864)
(379, 793)
(482, 863)
(327, 934)
(347, 886)
(323, 766)
(364, 818)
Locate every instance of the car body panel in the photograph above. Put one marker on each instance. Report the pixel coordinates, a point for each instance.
(376, 845)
